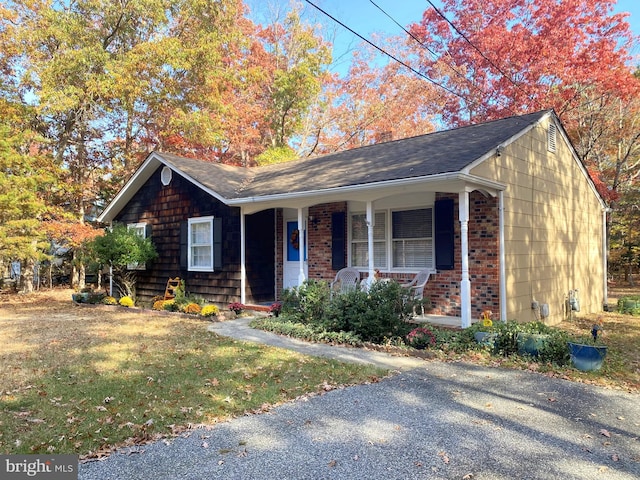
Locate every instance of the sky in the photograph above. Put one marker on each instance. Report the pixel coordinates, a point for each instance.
(363, 17)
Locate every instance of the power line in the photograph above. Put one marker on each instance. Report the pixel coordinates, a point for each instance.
(464, 37)
(426, 47)
(384, 52)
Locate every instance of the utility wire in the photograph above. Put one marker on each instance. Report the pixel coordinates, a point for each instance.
(464, 37)
(434, 54)
(384, 52)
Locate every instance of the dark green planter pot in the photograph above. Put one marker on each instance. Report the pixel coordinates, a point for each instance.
(587, 358)
(531, 343)
(485, 338)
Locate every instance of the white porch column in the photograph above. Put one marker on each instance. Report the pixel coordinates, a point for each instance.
(243, 270)
(503, 265)
(302, 230)
(371, 223)
(465, 284)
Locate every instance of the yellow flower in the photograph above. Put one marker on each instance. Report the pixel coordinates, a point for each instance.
(126, 301)
(209, 311)
(486, 322)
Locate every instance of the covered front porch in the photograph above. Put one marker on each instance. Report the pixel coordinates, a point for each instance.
(316, 234)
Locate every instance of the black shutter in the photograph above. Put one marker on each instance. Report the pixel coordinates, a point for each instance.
(444, 234)
(147, 230)
(338, 240)
(217, 243)
(184, 245)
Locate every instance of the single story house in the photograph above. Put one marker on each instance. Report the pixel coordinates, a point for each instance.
(504, 214)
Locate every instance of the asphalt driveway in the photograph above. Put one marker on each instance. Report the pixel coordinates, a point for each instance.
(431, 420)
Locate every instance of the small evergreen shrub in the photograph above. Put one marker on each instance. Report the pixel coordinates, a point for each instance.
(306, 303)
(374, 316)
(629, 305)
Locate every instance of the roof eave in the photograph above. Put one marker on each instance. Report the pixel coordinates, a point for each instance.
(369, 190)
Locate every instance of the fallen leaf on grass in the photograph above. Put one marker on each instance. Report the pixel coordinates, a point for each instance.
(615, 457)
(332, 463)
(605, 433)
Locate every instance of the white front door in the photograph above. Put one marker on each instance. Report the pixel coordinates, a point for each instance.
(291, 250)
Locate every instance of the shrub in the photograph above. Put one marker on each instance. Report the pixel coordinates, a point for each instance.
(109, 300)
(376, 315)
(126, 301)
(209, 311)
(275, 309)
(192, 308)
(421, 338)
(306, 303)
(629, 305)
(554, 349)
(236, 307)
(158, 305)
(306, 332)
(170, 306)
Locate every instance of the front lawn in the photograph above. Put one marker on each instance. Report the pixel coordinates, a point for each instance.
(79, 379)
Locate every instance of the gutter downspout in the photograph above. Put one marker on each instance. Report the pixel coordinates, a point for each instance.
(503, 264)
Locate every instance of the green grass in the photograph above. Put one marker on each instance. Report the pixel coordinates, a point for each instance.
(85, 380)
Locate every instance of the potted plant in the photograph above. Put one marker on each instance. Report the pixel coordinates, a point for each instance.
(275, 309)
(483, 335)
(588, 354)
(236, 307)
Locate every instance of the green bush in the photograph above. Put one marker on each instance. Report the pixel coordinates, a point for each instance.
(554, 349)
(306, 303)
(374, 316)
(629, 305)
(305, 332)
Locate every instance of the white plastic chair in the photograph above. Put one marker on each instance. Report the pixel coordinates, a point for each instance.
(416, 287)
(346, 280)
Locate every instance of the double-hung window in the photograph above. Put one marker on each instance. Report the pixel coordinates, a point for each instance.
(141, 230)
(360, 244)
(402, 239)
(200, 247)
(412, 238)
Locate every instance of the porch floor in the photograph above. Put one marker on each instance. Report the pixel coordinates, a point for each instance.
(439, 320)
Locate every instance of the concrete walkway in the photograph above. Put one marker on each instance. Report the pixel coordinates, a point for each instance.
(432, 420)
(240, 330)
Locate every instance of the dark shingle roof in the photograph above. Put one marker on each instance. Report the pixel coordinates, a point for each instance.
(425, 155)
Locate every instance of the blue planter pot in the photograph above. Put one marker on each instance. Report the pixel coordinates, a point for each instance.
(587, 357)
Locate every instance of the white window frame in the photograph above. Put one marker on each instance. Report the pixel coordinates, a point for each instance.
(191, 246)
(141, 229)
(389, 240)
(428, 239)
